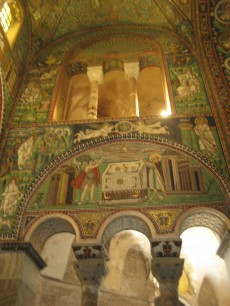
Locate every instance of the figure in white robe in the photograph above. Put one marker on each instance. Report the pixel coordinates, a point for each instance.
(25, 152)
(189, 84)
(206, 140)
(10, 198)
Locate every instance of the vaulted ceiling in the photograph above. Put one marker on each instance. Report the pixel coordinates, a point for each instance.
(51, 21)
(62, 20)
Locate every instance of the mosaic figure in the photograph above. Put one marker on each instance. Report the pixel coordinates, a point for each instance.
(88, 179)
(156, 177)
(89, 134)
(207, 141)
(189, 83)
(154, 128)
(25, 152)
(10, 197)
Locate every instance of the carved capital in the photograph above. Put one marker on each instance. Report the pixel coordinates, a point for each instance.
(95, 74)
(149, 61)
(132, 70)
(76, 68)
(166, 248)
(90, 266)
(168, 269)
(113, 64)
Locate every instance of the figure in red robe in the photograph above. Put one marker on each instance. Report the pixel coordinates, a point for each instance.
(88, 179)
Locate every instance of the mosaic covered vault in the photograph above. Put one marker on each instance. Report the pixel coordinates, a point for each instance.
(92, 169)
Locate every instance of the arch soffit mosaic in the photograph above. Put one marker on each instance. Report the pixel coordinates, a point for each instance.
(47, 226)
(128, 220)
(64, 48)
(52, 224)
(121, 41)
(210, 218)
(125, 223)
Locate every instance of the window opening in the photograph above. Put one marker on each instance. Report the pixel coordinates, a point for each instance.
(5, 17)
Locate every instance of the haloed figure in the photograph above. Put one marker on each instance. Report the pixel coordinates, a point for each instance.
(156, 177)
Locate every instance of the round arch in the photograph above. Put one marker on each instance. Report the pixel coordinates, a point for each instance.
(49, 225)
(102, 141)
(210, 218)
(127, 221)
(75, 39)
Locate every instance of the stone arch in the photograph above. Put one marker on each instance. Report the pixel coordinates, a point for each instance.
(48, 226)
(125, 222)
(208, 217)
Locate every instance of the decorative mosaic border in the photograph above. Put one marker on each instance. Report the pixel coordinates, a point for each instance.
(221, 89)
(79, 149)
(2, 102)
(173, 213)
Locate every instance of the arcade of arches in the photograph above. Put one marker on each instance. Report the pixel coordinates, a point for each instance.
(114, 152)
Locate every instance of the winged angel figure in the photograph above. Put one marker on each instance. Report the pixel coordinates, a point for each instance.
(89, 134)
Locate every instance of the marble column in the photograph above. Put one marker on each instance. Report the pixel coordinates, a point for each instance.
(20, 267)
(90, 268)
(132, 71)
(76, 101)
(152, 74)
(95, 75)
(167, 268)
(224, 250)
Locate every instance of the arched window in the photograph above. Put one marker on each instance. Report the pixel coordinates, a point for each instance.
(113, 89)
(5, 17)
(11, 18)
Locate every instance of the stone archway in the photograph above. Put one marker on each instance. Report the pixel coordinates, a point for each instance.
(125, 223)
(206, 271)
(48, 228)
(129, 278)
(211, 219)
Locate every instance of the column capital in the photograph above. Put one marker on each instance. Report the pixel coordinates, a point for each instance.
(76, 68)
(166, 248)
(150, 61)
(90, 266)
(167, 270)
(224, 246)
(113, 64)
(132, 70)
(95, 74)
